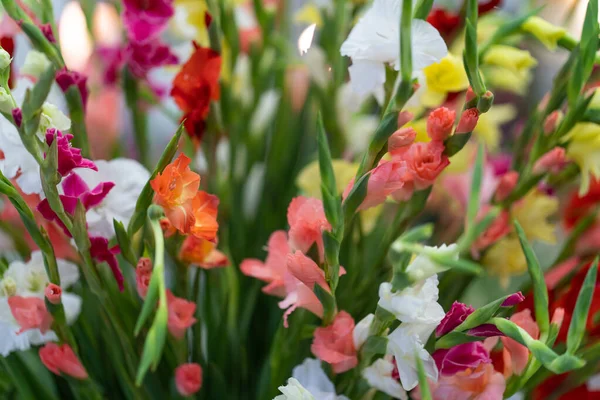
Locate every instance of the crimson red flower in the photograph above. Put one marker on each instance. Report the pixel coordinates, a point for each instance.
(444, 21)
(195, 86)
(579, 206)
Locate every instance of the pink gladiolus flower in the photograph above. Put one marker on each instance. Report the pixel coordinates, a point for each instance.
(470, 95)
(47, 31)
(181, 315)
(68, 157)
(142, 57)
(482, 383)
(102, 253)
(516, 355)
(400, 140)
(299, 296)
(65, 79)
(17, 115)
(334, 344)
(558, 316)
(460, 358)
(468, 121)
(62, 360)
(499, 228)
(553, 161)
(188, 378)
(144, 20)
(506, 185)
(307, 221)
(53, 293)
(143, 273)
(274, 268)
(426, 161)
(306, 270)
(30, 313)
(440, 123)
(453, 318)
(75, 189)
(112, 60)
(404, 117)
(551, 122)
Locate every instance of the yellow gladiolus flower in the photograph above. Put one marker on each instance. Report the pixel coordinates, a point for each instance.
(507, 79)
(584, 149)
(442, 78)
(196, 12)
(309, 179)
(505, 259)
(533, 213)
(510, 58)
(488, 127)
(544, 31)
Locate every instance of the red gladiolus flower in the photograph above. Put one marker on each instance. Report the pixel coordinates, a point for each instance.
(188, 379)
(62, 360)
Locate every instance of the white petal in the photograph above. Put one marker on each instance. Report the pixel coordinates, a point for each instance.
(312, 377)
(367, 77)
(428, 47)
(69, 273)
(72, 305)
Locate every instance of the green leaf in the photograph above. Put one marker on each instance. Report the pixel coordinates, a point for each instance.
(331, 200)
(375, 345)
(405, 41)
(482, 315)
(452, 339)
(455, 143)
(462, 265)
(474, 195)
(423, 8)
(582, 308)
(355, 197)
(423, 384)
(540, 292)
(80, 233)
(124, 243)
(385, 129)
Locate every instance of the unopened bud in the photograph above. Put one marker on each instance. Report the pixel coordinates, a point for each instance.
(400, 139)
(485, 102)
(553, 161)
(53, 293)
(506, 185)
(468, 121)
(5, 59)
(552, 122)
(404, 117)
(6, 101)
(470, 94)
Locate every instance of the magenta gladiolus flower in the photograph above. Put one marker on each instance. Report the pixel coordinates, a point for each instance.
(68, 157)
(75, 189)
(142, 57)
(102, 253)
(65, 79)
(453, 318)
(144, 20)
(513, 299)
(17, 115)
(47, 31)
(461, 357)
(485, 330)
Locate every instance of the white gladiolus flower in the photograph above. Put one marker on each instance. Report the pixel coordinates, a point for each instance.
(308, 382)
(29, 280)
(422, 267)
(375, 41)
(361, 331)
(129, 177)
(35, 64)
(53, 117)
(265, 111)
(379, 376)
(417, 304)
(6, 101)
(405, 345)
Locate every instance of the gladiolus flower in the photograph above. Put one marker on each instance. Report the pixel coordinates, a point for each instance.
(30, 313)
(202, 252)
(334, 345)
(62, 360)
(143, 57)
(426, 161)
(513, 300)
(404, 117)
(401, 139)
(181, 315)
(65, 79)
(102, 253)
(143, 274)
(47, 32)
(307, 221)
(544, 31)
(195, 86)
(481, 383)
(453, 318)
(188, 378)
(506, 185)
(440, 123)
(274, 268)
(204, 207)
(516, 355)
(68, 157)
(499, 228)
(53, 293)
(361, 331)
(306, 270)
(444, 21)
(460, 358)
(144, 20)
(17, 115)
(468, 121)
(584, 149)
(552, 162)
(552, 121)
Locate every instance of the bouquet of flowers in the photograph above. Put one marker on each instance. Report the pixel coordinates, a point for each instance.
(273, 199)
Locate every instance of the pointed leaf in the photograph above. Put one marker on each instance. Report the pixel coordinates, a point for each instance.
(423, 384)
(124, 243)
(582, 307)
(475, 193)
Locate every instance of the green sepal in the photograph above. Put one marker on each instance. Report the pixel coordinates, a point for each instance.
(455, 143)
(34, 100)
(375, 345)
(124, 243)
(328, 302)
(452, 339)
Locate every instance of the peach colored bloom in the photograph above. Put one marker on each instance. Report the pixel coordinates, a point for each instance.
(307, 221)
(181, 315)
(507, 183)
(482, 383)
(334, 344)
(53, 293)
(62, 360)
(202, 252)
(143, 274)
(499, 228)
(204, 208)
(468, 121)
(404, 117)
(426, 161)
(306, 270)
(551, 122)
(30, 313)
(516, 355)
(440, 123)
(188, 378)
(552, 162)
(274, 268)
(174, 189)
(400, 140)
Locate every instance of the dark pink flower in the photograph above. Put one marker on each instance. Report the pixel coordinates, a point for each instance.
(102, 253)
(62, 360)
(68, 157)
(53, 293)
(112, 60)
(513, 299)
(485, 330)
(17, 115)
(65, 79)
(142, 57)
(188, 379)
(334, 344)
(30, 313)
(461, 357)
(453, 318)
(144, 20)
(74, 189)
(47, 31)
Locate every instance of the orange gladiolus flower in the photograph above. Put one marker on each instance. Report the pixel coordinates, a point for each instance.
(202, 252)
(204, 208)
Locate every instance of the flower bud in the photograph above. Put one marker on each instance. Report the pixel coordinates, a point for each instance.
(558, 316)
(513, 300)
(47, 31)
(544, 31)
(553, 161)
(5, 59)
(552, 121)
(468, 121)
(17, 115)
(453, 318)
(506, 185)
(53, 293)
(188, 378)
(470, 94)
(36, 63)
(6, 101)
(440, 123)
(404, 117)
(402, 138)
